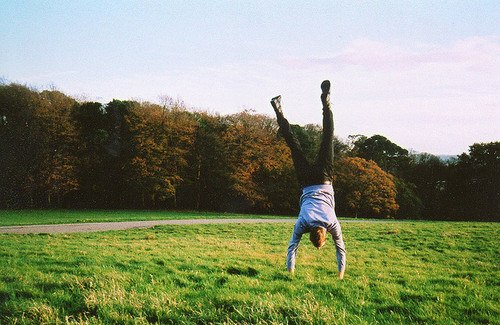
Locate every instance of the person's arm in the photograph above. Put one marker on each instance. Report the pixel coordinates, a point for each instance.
(338, 241)
(293, 246)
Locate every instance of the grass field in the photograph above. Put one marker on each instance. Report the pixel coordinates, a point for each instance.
(37, 217)
(398, 272)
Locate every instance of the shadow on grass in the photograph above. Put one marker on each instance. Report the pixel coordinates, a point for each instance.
(282, 277)
(250, 272)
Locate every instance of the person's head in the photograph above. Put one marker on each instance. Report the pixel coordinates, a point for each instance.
(318, 237)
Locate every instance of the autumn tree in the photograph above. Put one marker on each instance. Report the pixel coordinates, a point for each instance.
(37, 142)
(18, 145)
(255, 153)
(57, 152)
(208, 172)
(161, 138)
(56, 159)
(398, 162)
(276, 176)
(363, 189)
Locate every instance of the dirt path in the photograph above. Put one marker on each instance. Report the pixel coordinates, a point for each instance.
(123, 225)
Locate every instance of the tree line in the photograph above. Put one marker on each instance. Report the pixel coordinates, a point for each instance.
(57, 152)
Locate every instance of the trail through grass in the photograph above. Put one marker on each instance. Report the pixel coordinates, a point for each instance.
(397, 273)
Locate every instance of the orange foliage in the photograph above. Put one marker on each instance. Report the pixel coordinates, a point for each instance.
(255, 150)
(363, 189)
(161, 138)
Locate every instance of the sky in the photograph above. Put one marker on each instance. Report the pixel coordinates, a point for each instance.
(424, 74)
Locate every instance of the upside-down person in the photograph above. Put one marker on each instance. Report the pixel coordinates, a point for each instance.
(317, 207)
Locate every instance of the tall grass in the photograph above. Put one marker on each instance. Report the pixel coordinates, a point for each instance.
(397, 273)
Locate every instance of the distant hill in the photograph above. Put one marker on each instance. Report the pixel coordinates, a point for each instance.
(446, 158)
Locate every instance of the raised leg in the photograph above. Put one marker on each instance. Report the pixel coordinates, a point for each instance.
(324, 160)
(302, 166)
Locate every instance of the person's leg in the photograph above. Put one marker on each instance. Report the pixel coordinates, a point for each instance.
(302, 166)
(324, 161)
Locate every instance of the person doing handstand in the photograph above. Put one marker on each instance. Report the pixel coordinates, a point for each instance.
(317, 207)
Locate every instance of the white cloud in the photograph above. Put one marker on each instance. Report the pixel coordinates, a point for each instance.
(473, 52)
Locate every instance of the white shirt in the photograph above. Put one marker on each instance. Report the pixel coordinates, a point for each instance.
(317, 209)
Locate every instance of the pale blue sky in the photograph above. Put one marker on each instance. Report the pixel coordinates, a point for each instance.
(425, 74)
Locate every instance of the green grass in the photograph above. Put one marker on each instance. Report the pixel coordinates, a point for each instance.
(36, 217)
(398, 272)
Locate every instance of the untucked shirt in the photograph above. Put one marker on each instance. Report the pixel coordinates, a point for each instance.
(317, 209)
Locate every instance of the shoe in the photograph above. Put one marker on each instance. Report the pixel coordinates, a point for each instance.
(325, 86)
(325, 95)
(276, 103)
